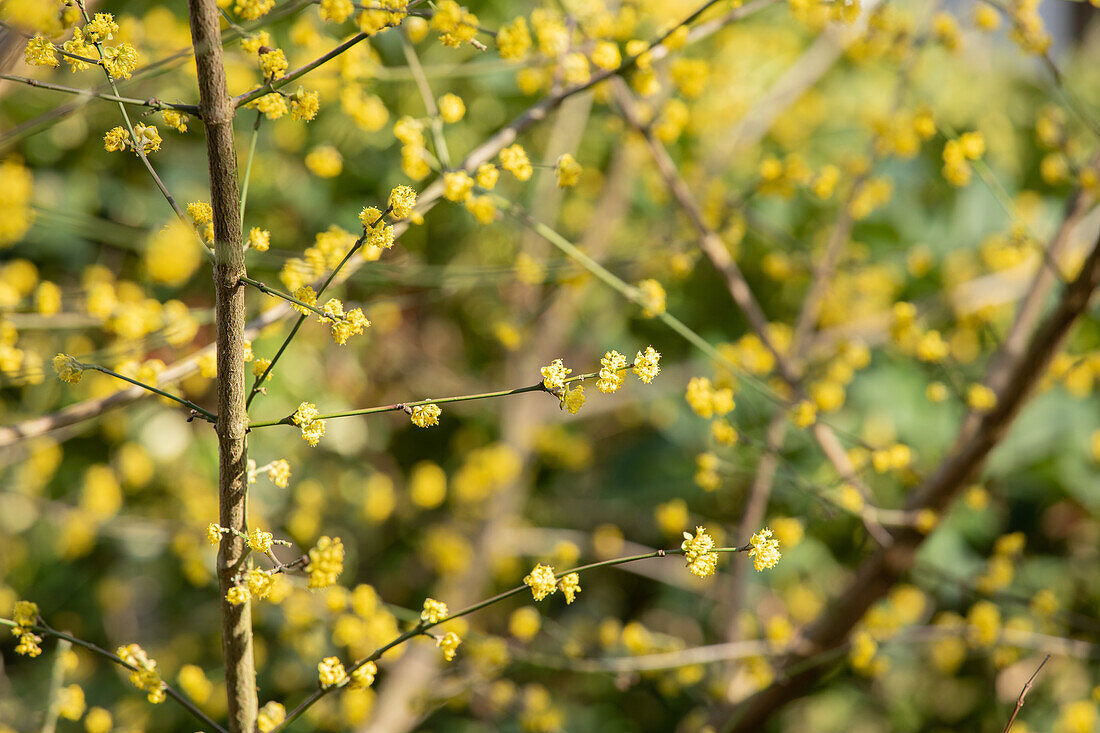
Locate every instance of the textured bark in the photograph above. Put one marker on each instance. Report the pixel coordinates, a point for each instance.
(217, 114)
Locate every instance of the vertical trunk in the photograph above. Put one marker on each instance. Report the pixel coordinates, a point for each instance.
(217, 113)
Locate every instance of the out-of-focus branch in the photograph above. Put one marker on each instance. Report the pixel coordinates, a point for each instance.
(1023, 693)
(881, 571)
(742, 295)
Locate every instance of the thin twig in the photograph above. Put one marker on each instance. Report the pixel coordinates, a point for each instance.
(423, 626)
(152, 102)
(45, 628)
(206, 414)
(1023, 692)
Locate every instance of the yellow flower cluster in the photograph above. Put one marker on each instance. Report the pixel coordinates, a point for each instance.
(611, 365)
(434, 611)
(305, 417)
(145, 675)
(765, 550)
(379, 234)
(252, 9)
(326, 562)
(568, 171)
(449, 644)
(25, 615)
(541, 580)
(554, 375)
(425, 416)
(238, 594)
(40, 52)
(651, 296)
(68, 369)
(957, 155)
(455, 23)
(647, 364)
(363, 677)
(273, 62)
(16, 214)
(330, 672)
(514, 39)
(706, 400)
(514, 160)
(278, 472)
(259, 540)
(271, 716)
(402, 201)
(698, 552)
(570, 586)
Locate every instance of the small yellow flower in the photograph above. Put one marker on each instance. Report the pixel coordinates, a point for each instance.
(25, 613)
(434, 611)
(765, 550)
(514, 160)
(457, 186)
(570, 586)
(981, 398)
(28, 643)
(647, 365)
(102, 28)
(68, 369)
(271, 716)
(145, 675)
(176, 120)
(701, 561)
(573, 399)
(273, 62)
(611, 366)
(116, 139)
(554, 374)
(451, 108)
(279, 473)
(40, 52)
(651, 296)
(259, 540)
(568, 171)
(541, 580)
(238, 594)
(487, 175)
(213, 534)
(363, 677)
(304, 105)
(449, 644)
(259, 366)
(402, 201)
(425, 416)
(330, 672)
(326, 562)
(305, 417)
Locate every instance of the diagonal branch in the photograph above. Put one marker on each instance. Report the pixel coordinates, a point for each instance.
(882, 570)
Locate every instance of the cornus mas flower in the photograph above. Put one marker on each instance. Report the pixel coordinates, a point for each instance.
(25, 613)
(237, 595)
(487, 175)
(273, 62)
(610, 366)
(402, 201)
(451, 108)
(434, 611)
(541, 580)
(259, 366)
(765, 550)
(330, 672)
(145, 677)
(279, 472)
(304, 105)
(271, 715)
(259, 582)
(573, 399)
(514, 160)
(651, 296)
(40, 52)
(68, 369)
(553, 375)
(213, 533)
(449, 644)
(258, 540)
(697, 552)
(305, 417)
(647, 365)
(102, 28)
(259, 239)
(570, 586)
(568, 171)
(363, 677)
(326, 562)
(307, 295)
(116, 139)
(514, 39)
(425, 416)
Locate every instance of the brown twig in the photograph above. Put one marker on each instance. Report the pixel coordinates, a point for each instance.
(1023, 693)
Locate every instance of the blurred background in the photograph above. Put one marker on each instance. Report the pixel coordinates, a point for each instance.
(770, 119)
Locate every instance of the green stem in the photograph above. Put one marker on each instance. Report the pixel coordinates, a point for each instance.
(248, 164)
(44, 628)
(423, 626)
(268, 290)
(151, 102)
(440, 401)
(209, 416)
